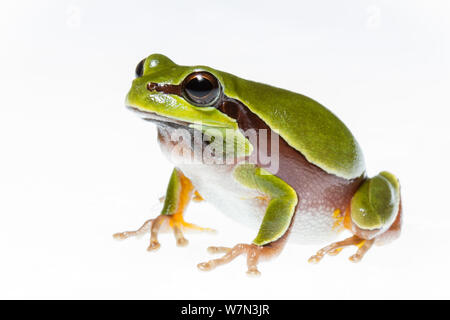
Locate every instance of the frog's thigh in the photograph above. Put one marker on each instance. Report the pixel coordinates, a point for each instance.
(282, 203)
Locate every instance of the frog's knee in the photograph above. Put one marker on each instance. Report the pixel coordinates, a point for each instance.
(375, 204)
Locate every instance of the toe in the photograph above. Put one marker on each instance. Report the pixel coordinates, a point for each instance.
(334, 252)
(315, 259)
(253, 272)
(182, 242)
(205, 266)
(120, 235)
(355, 258)
(154, 245)
(218, 249)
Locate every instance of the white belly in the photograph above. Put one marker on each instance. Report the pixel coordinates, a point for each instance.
(217, 186)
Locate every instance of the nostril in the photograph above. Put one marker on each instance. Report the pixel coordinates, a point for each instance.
(152, 86)
(140, 68)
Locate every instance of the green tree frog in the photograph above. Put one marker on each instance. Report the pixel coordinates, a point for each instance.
(317, 188)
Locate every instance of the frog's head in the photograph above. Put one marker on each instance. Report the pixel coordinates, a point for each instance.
(166, 92)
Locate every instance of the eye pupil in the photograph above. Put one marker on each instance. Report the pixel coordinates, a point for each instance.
(201, 88)
(140, 68)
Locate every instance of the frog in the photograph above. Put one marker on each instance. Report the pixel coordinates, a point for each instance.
(314, 187)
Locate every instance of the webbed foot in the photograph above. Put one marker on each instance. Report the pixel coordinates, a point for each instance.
(152, 226)
(253, 252)
(336, 247)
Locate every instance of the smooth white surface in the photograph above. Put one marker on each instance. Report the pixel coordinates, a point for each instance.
(76, 166)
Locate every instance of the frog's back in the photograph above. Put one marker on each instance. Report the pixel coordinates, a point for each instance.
(304, 124)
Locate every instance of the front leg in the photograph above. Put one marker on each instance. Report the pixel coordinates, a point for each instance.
(179, 193)
(276, 221)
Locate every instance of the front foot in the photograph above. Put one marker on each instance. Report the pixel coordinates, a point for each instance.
(252, 251)
(153, 226)
(336, 247)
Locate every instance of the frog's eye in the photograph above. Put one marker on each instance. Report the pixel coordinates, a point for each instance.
(140, 68)
(201, 88)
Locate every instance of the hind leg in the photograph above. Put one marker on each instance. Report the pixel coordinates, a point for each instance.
(336, 247)
(374, 216)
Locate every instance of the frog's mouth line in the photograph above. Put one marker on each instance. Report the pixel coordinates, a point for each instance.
(166, 122)
(158, 119)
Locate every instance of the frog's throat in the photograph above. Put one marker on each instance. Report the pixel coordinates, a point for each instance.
(158, 119)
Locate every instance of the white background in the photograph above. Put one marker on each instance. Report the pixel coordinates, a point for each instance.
(76, 166)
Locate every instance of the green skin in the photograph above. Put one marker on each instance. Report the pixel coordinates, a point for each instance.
(281, 207)
(375, 203)
(305, 124)
(172, 193)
